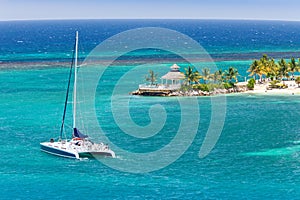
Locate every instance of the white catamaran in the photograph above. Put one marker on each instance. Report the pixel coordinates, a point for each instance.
(80, 146)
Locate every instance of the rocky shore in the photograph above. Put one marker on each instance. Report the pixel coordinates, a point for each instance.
(210, 93)
(193, 92)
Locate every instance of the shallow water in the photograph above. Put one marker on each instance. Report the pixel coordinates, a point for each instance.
(255, 156)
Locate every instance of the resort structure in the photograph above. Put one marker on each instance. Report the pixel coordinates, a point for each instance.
(173, 79)
(170, 82)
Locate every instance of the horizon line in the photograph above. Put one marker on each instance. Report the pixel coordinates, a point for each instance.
(72, 19)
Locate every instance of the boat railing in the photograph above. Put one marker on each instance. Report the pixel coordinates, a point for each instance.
(160, 86)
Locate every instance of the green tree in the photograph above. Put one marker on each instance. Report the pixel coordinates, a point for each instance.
(254, 68)
(218, 76)
(151, 77)
(206, 74)
(264, 66)
(298, 81)
(293, 67)
(191, 75)
(251, 84)
(232, 73)
(273, 71)
(283, 68)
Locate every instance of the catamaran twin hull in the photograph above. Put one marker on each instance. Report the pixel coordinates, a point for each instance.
(79, 149)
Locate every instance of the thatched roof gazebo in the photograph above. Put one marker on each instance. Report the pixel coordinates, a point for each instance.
(174, 75)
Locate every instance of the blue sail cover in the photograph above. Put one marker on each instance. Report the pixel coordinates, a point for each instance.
(78, 134)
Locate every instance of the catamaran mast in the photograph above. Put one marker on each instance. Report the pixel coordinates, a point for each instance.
(75, 81)
(67, 95)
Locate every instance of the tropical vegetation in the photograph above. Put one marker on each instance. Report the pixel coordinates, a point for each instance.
(191, 76)
(260, 69)
(207, 81)
(298, 81)
(251, 84)
(267, 67)
(275, 72)
(151, 77)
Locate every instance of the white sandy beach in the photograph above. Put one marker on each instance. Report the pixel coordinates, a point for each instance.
(292, 89)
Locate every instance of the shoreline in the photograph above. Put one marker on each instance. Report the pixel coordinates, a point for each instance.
(259, 89)
(292, 89)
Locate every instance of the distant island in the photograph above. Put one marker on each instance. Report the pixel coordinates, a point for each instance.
(266, 75)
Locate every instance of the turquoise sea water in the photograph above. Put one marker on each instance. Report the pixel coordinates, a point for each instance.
(256, 156)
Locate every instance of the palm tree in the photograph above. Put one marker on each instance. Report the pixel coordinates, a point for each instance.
(254, 68)
(217, 76)
(284, 68)
(191, 75)
(232, 73)
(264, 66)
(293, 66)
(152, 77)
(206, 74)
(273, 69)
(264, 59)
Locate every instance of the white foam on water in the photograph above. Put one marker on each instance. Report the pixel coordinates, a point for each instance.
(276, 151)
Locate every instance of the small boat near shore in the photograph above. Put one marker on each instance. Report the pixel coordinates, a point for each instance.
(80, 146)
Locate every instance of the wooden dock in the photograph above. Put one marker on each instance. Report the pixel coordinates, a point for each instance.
(156, 90)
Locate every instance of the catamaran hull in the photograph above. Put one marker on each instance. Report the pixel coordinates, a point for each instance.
(62, 151)
(95, 154)
(58, 152)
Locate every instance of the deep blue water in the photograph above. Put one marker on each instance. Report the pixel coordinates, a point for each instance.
(44, 39)
(256, 156)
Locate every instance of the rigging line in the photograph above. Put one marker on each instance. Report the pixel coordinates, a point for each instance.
(67, 95)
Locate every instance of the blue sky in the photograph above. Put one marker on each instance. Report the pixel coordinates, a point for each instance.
(153, 9)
